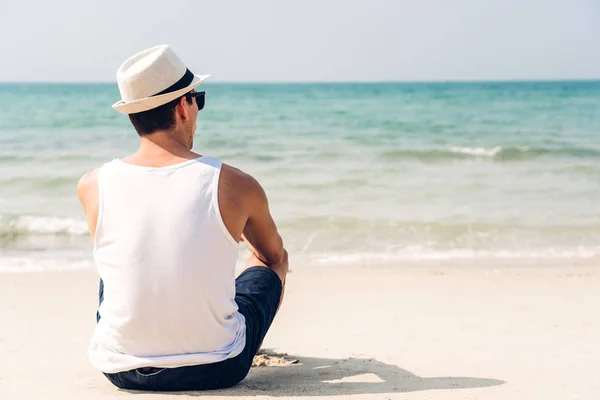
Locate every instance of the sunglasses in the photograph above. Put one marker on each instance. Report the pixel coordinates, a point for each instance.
(200, 98)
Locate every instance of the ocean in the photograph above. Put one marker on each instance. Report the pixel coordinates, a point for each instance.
(382, 174)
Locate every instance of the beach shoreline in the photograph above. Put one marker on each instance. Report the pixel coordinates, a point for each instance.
(380, 174)
(418, 333)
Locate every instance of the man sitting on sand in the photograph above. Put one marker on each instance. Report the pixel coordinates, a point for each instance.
(166, 223)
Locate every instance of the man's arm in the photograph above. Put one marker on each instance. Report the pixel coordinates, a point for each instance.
(245, 211)
(87, 191)
(260, 231)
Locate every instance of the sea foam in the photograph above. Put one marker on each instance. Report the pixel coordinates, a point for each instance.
(28, 225)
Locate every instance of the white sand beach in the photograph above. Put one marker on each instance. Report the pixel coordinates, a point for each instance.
(404, 333)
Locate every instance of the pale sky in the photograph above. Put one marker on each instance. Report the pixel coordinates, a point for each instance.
(308, 40)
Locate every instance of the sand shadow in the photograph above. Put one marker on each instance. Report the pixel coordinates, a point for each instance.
(338, 377)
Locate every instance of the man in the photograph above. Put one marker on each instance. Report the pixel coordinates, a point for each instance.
(166, 223)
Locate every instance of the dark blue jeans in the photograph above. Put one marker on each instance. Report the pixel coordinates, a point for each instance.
(258, 290)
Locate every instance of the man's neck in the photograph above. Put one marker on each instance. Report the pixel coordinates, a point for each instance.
(160, 149)
(171, 141)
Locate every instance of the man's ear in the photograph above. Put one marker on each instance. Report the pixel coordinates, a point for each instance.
(182, 109)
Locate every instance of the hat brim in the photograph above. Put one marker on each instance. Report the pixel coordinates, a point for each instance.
(148, 103)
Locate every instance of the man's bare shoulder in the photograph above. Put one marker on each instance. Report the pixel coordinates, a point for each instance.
(89, 178)
(87, 182)
(238, 179)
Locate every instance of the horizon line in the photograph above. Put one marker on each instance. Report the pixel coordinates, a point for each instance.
(234, 82)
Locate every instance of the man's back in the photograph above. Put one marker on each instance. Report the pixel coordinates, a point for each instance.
(167, 263)
(166, 223)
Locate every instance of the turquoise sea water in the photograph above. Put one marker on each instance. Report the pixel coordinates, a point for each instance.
(356, 174)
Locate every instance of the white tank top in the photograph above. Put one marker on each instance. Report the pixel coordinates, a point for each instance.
(168, 266)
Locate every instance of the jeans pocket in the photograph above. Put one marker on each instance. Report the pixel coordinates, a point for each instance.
(146, 372)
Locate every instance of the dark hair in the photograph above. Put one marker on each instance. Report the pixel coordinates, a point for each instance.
(157, 119)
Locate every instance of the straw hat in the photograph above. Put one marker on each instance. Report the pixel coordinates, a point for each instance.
(152, 78)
